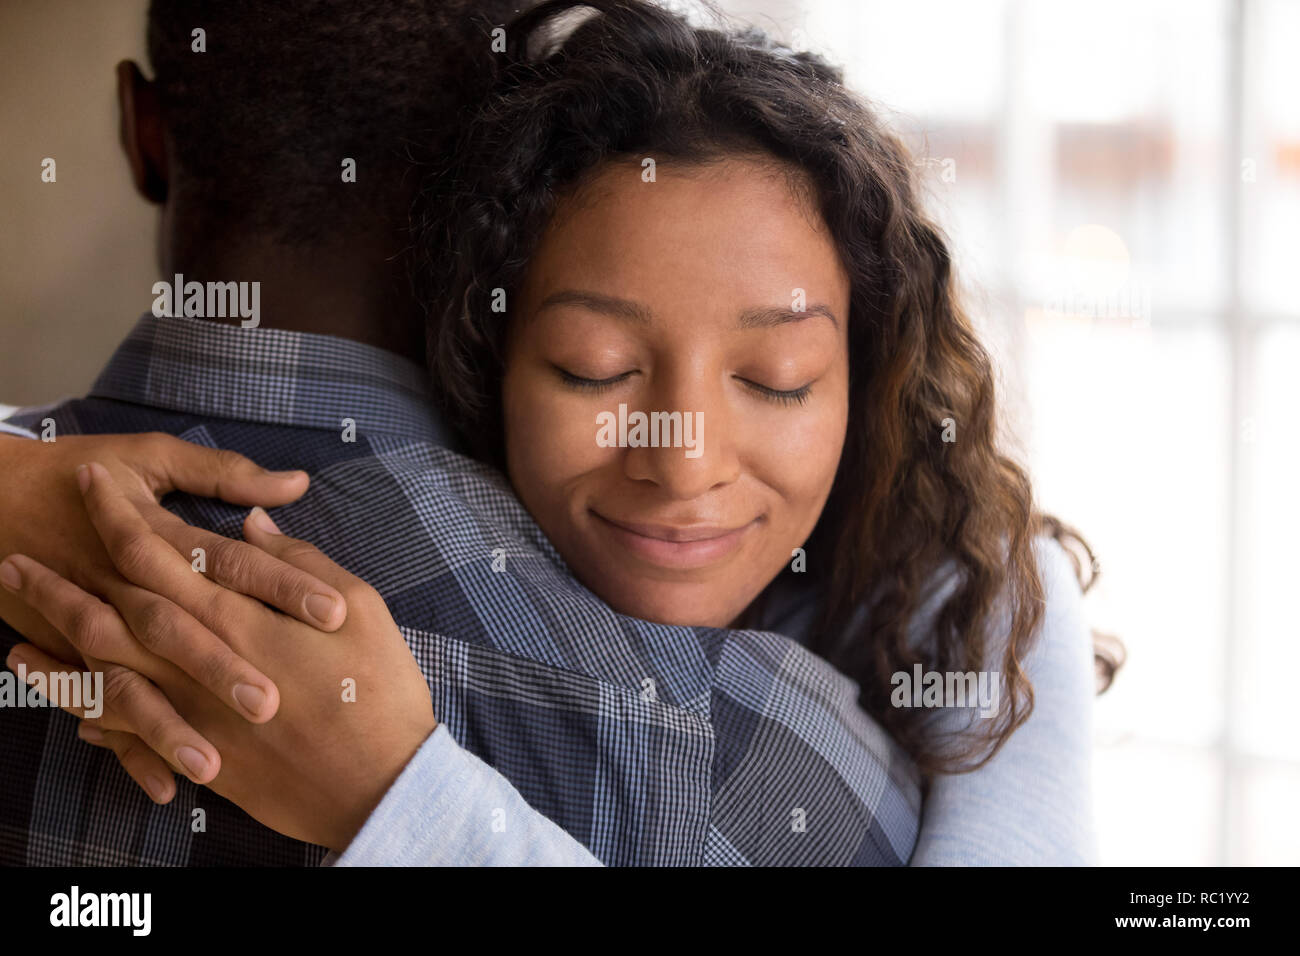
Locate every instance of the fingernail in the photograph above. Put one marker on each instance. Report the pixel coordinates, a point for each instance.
(98, 472)
(321, 607)
(157, 789)
(15, 661)
(83, 478)
(263, 521)
(90, 733)
(251, 698)
(284, 475)
(192, 760)
(10, 576)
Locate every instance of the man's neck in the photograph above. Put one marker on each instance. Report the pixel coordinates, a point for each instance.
(351, 293)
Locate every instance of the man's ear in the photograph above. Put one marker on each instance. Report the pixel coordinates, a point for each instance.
(143, 139)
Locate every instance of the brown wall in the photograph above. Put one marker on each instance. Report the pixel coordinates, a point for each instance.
(76, 255)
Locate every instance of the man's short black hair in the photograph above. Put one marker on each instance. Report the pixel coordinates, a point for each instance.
(262, 120)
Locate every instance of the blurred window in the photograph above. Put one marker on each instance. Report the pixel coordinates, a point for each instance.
(1121, 183)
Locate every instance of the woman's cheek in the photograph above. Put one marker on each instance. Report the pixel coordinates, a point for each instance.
(797, 450)
(553, 436)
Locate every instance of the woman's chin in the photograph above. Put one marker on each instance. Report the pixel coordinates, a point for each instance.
(677, 604)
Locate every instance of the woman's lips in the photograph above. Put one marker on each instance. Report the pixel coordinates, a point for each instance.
(677, 548)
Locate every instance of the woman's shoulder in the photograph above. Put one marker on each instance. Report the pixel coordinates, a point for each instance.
(1064, 645)
(1032, 802)
(791, 601)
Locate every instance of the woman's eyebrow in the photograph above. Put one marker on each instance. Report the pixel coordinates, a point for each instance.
(628, 310)
(762, 318)
(606, 304)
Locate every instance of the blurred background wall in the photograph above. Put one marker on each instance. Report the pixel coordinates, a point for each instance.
(1121, 183)
(76, 255)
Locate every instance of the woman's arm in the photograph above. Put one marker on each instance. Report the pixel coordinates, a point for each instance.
(434, 816)
(1031, 804)
(370, 775)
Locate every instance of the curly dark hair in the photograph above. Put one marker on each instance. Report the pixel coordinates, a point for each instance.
(634, 80)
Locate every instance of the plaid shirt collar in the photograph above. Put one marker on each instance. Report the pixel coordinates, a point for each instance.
(270, 376)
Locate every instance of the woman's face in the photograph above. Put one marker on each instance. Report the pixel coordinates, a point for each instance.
(715, 294)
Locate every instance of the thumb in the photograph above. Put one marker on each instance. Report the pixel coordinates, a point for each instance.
(176, 465)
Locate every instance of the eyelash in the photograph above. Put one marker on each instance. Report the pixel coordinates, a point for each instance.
(591, 384)
(795, 396)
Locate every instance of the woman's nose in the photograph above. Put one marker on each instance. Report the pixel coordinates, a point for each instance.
(688, 449)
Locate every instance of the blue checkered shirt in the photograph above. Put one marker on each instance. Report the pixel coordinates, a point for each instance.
(649, 744)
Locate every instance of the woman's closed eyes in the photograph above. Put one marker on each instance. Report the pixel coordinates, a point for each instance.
(792, 396)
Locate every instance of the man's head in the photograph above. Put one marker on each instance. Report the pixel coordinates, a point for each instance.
(246, 133)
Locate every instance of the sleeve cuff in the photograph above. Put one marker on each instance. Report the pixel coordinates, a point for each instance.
(448, 808)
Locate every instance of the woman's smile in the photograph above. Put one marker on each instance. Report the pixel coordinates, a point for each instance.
(682, 547)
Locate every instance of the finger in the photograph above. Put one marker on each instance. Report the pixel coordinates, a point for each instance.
(261, 531)
(146, 711)
(172, 633)
(90, 626)
(30, 624)
(144, 558)
(252, 571)
(126, 701)
(31, 664)
(33, 660)
(154, 628)
(134, 702)
(36, 629)
(176, 465)
(141, 764)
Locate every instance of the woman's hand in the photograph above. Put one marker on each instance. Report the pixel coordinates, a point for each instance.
(42, 516)
(354, 705)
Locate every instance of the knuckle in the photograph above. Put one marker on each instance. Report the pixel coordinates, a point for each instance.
(287, 584)
(231, 561)
(212, 666)
(229, 462)
(131, 750)
(157, 621)
(219, 609)
(122, 690)
(155, 730)
(132, 552)
(90, 629)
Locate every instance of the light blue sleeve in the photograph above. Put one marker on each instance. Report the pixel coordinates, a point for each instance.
(1031, 805)
(9, 411)
(448, 808)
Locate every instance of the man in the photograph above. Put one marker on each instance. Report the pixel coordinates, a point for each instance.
(277, 155)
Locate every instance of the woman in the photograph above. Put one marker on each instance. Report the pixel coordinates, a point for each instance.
(657, 219)
(690, 220)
